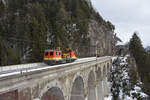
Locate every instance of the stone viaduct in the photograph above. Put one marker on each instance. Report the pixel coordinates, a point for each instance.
(75, 81)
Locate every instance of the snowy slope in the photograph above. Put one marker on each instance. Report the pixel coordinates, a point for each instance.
(120, 82)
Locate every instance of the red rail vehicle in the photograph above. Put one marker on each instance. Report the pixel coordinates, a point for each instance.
(57, 56)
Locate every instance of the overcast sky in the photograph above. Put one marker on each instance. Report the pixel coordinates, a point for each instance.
(127, 16)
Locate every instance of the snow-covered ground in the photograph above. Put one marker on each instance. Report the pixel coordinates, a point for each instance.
(120, 82)
(109, 97)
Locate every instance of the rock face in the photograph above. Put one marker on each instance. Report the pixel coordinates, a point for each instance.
(89, 2)
(148, 49)
(121, 49)
(102, 38)
(4, 2)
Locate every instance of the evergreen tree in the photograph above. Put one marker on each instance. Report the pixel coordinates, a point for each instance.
(37, 33)
(138, 52)
(7, 55)
(62, 18)
(1, 7)
(142, 60)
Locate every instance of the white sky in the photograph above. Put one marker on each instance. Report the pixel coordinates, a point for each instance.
(127, 16)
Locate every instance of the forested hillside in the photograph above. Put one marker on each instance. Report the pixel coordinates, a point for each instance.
(28, 27)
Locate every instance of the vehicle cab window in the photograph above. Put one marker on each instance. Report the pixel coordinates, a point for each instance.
(51, 53)
(46, 53)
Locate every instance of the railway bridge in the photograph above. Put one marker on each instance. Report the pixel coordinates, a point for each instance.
(84, 79)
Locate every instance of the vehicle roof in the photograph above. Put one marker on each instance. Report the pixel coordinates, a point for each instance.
(51, 50)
